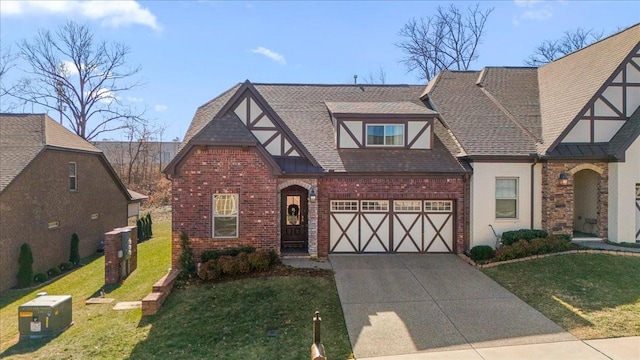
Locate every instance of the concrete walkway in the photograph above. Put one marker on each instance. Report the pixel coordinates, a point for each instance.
(604, 246)
(399, 304)
(617, 349)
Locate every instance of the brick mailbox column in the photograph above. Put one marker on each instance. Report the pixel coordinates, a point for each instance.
(112, 262)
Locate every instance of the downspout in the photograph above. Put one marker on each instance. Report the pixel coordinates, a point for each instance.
(533, 194)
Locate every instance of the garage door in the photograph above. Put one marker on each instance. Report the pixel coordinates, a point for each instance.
(362, 226)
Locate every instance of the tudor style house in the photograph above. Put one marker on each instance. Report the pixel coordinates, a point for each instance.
(53, 183)
(322, 169)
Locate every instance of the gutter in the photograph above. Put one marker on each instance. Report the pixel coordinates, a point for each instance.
(533, 193)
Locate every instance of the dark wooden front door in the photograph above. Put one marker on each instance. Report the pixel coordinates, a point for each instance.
(294, 218)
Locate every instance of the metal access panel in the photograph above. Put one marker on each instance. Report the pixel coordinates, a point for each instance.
(45, 316)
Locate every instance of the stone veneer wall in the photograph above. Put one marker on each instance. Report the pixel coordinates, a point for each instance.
(558, 200)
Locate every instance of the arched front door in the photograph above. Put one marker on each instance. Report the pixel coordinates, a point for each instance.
(294, 219)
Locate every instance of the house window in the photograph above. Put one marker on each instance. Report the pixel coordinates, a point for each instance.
(437, 206)
(506, 198)
(638, 191)
(385, 135)
(73, 177)
(344, 205)
(225, 215)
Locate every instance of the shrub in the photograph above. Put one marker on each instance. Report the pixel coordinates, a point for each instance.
(504, 253)
(40, 278)
(210, 270)
(259, 260)
(74, 254)
(53, 272)
(539, 246)
(510, 237)
(139, 230)
(216, 254)
(186, 262)
(274, 259)
(66, 266)
(228, 265)
(481, 252)
(521, 248)
(558, 243)
(242, 261)
(150, 225)
(25, 266)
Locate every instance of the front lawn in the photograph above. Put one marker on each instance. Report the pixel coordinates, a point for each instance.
(592, 296)
(227, 320)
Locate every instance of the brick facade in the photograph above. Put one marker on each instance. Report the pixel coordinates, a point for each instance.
(206, 171)
(40, 194)
(558, 200)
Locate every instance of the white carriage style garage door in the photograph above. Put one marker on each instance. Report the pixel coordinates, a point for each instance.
(361, 226)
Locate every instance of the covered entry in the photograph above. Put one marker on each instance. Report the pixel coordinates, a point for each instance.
(362, 226)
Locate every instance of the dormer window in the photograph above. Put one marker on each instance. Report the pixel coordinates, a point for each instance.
(385, 135)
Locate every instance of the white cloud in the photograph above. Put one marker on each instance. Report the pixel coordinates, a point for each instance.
(539, 14)
(270, 54)
(135, 99)
(105, 96)
(160, 108)
(532, 10)
(110, 13)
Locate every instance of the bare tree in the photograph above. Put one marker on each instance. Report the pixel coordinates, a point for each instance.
(571, 41)
(380, 77)
(7, 62)
(448, 39)
(80, 78)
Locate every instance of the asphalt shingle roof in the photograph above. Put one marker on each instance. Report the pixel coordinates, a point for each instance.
(567, 84)
(23, 136)
(379, 108)
(304, 110)
(478, 118)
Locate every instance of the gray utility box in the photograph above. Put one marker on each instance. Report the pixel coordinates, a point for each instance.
(44, 316)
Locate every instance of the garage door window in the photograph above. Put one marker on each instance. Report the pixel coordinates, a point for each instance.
(344, 205)
(437, 206)
(407, 205)
(375, 205)
(506, 198)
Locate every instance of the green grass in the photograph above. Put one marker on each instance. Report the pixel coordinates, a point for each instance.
(230, 320)
(591, 296)
(224, 320)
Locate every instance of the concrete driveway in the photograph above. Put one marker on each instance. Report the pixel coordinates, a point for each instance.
(410, 303)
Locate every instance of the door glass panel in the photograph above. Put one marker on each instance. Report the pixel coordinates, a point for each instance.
(293, 210)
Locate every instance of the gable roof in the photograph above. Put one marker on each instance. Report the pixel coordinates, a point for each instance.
(302, 108)
(486, 113)
(567, 84)
(24, 136)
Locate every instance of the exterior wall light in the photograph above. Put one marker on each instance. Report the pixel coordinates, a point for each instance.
(563, 179)
(313, 196)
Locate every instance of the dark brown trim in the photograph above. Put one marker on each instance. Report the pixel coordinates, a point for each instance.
(610, 105)
(591, 101)
(407, 175)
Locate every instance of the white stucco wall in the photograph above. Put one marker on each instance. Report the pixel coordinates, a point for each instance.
(483, 201)
(623, 177)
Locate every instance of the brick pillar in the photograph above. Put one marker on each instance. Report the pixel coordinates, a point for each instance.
(112, 243)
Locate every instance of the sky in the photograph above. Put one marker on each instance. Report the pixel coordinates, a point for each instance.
(192, 51)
